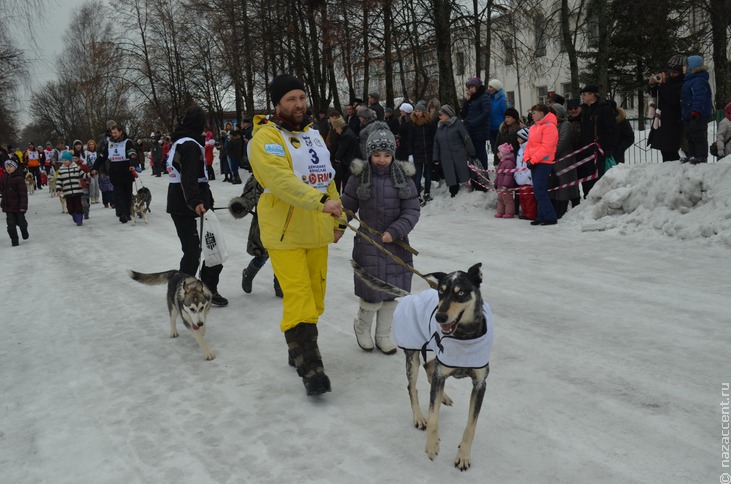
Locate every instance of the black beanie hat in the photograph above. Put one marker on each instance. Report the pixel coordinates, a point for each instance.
(194, 119)
(281, 85)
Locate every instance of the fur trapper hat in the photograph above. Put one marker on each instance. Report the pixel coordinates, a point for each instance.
(401, 172)
(365, 112)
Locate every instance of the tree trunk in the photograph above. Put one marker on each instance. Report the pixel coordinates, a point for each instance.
(568, 41)
(602, 74)
(720, 13)
(388, 59)
(478, 37)
(442, 26)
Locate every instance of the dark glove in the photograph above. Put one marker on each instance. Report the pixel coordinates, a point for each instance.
(695, 115)
(530, 165)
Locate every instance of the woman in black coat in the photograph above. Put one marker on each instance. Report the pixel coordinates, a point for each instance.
(667, 136)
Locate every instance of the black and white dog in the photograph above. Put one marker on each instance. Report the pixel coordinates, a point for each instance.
(188, 298)
(454, 323)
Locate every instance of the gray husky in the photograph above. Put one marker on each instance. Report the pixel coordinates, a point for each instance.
(456, 325)
(187, 297)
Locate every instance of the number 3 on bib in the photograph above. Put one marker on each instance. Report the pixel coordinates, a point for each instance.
(315, 158)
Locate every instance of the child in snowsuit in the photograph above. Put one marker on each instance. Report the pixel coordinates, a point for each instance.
(69, 186)
(383, 193)
(14, 201)
(239, 208)
(85, 185)
(504, 182)
(524, 180)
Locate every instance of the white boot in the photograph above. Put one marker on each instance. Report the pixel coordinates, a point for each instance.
(384, 341)
(362, 324)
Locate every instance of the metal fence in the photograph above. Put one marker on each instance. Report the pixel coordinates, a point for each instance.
(639, 152)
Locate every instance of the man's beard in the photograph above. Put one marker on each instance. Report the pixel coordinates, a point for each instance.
(290, 118)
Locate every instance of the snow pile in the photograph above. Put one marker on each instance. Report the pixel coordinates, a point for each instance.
(683, 201)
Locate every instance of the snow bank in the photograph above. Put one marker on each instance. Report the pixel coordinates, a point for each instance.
(688, 202)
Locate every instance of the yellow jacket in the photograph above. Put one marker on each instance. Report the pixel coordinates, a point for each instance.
(289, 211)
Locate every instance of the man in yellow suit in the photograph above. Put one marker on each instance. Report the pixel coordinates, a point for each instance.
(299, 215)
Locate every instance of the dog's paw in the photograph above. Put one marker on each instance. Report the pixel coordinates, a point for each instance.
(432, 448)
(210, 356)
(174, 333)
(463, 460)
(446, 400)
(420, 422)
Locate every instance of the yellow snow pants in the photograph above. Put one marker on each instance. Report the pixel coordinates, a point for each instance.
(302, 274)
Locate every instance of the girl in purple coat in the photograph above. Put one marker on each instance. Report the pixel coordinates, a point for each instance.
(383, 193)
(504, 182)
(14, 201)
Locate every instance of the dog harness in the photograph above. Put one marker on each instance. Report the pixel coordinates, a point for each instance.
(173, 173)
(414, 328)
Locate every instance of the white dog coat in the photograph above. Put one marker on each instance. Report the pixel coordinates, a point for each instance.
(415, 328)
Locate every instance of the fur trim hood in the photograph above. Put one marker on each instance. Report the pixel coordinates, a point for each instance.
(421, 121)
(621, 115)
(401, 172)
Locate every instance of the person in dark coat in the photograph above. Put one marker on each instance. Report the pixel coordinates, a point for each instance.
(625, 133)
(560, 197)
(119, 156)
(375, 106)
(14, 201)
(384, 195)
(666, 132)
(404, 128)
(391, 120)
(475, 113)
(348, 150)
(453, 148)
(236, 149)
(189, 196)
(421, 149)
(366, 117)
(508, 131)
(240, 207)
(598, 123)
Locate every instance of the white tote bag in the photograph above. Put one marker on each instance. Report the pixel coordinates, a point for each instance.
(213, 245)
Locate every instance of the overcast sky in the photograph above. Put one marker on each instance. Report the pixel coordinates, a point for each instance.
(52, 23)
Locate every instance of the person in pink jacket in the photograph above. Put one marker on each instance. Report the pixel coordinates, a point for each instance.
(539, 155)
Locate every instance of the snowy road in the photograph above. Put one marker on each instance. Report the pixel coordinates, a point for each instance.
(610, 352)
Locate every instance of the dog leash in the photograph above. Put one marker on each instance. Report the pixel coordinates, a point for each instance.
(395, 258)
(373, 231)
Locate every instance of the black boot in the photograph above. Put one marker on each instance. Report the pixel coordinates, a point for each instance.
(277, 288)
(247, 277)
(13, 233)
(24, 232)
(302, 345)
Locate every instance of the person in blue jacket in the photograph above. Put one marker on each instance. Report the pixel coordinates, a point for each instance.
(697, 109)
(498, 105)
(475, 115)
